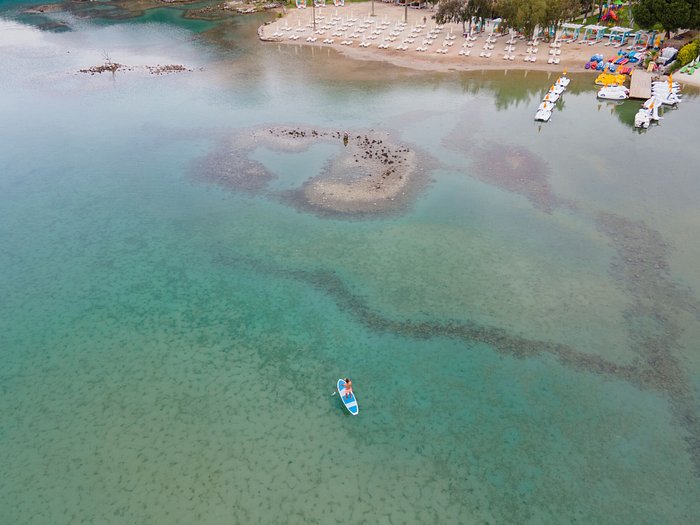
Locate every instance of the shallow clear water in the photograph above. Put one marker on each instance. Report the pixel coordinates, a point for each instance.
(168, 347)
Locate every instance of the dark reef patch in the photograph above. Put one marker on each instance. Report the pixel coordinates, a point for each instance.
(517, 170)
(371, 176)
(641, 268)
(232, 170)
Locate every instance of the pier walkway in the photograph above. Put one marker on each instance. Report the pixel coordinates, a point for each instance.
(640, 86)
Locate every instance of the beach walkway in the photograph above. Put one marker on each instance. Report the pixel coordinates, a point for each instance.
(640, 85)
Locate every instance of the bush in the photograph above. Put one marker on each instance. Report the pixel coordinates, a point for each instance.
(688, 53)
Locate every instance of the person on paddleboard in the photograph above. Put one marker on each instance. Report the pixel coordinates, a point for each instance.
(348, 388)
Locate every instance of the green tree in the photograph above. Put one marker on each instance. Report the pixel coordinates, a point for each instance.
(694, 14)
(461, 11)
(557, 11)
(585, 6)
(670, 15)
(524, 15)
(456, 11)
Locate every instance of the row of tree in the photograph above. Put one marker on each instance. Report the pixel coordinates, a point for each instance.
(526, 15)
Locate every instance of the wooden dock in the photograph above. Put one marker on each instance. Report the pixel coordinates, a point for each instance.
(640, 86)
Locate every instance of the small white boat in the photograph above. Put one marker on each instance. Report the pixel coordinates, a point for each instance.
(543, 115)
(642, 119)
(563, 81)
(645, 115)
(662, 83)
(557, 89)
(544, 112)
(666, 86)
(669, 99)
(665, 90)
(614, 93)
(551, 97)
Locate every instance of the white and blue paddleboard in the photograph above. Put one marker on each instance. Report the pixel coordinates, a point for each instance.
(349, 402)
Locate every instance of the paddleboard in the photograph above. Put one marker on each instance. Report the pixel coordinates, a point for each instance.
(349, 402)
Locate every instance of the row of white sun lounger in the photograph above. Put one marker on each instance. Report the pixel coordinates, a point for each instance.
(429, 40)
(363, 27)
(441, 50)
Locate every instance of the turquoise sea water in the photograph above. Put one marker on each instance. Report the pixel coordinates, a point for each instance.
(168, 346)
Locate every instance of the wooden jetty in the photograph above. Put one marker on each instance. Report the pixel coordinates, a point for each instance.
(640, 86)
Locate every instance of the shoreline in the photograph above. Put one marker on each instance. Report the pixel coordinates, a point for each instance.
(295, 27)
(354, 23)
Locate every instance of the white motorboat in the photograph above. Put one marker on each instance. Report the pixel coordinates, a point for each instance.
(546, 105)
(614, 93)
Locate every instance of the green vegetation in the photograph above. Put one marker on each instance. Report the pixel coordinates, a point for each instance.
(526, 15)
(667, 15)
(462, 11)
(688, 53)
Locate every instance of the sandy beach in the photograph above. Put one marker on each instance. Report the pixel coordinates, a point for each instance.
(418, 43)
(692, 80)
